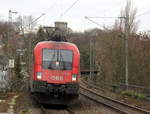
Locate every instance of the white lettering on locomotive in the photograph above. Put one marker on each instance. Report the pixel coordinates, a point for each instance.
(56, 78)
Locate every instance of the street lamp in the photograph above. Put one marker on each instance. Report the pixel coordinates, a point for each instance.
(10, 15)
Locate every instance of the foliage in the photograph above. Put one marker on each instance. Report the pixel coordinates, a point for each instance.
(85, 60)
(25, 24)
(114, 88)
(18, 68)
(110, 59)
(128, 12)
(134, 94)
(82, 42)
(109, 51)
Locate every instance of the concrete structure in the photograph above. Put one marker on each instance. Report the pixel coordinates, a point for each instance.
(62, 26)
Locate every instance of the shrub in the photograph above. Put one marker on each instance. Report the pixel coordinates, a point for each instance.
(134, 94)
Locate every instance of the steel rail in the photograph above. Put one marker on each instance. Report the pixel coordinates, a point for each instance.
(46, 111)
(99, 101)
(43, 110)
(91, 85)
(70, 111)
(115, 104)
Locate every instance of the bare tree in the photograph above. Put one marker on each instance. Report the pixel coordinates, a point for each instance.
(25, 24)
(128, 12)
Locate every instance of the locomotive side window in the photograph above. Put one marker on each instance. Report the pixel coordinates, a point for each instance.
(57, 59)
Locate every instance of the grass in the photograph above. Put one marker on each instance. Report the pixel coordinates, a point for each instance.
(134, 94)
(3, 96)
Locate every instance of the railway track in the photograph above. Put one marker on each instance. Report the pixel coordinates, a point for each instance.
(87, 91)
(50, 111)
(70, 111)
(90, 85)
(46, 110)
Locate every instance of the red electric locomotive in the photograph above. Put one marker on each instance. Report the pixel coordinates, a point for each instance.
(56, 72)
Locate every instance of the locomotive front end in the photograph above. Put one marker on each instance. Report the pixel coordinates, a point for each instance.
(56, 71)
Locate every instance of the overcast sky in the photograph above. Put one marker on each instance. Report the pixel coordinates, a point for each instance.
(75, 16)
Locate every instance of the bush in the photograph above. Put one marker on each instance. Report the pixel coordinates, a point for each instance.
(134, 94)
(114, 88)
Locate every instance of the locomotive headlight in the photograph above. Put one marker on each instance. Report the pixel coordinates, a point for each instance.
(74, 77)
(39, 75)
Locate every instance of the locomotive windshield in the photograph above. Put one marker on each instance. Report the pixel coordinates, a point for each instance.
(57, 59)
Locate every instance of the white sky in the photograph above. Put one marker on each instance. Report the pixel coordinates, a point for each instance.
(75, 16)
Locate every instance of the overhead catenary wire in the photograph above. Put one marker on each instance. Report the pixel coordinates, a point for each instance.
(46, 9)
(93, 22)
(145, 13)
(36, 19)
(126, 44)
(69, 8)
(89, 18)
(51, 6)
(104, 17)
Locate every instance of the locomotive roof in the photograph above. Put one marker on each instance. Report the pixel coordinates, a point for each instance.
(45, 44)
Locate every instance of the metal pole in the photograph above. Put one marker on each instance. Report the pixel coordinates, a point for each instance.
(126, 48)
(9, 50)
(9, 30)
(8, 44)
(90, 58)
(93, 52)
(94, 57)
